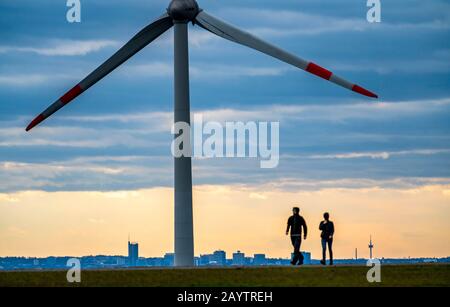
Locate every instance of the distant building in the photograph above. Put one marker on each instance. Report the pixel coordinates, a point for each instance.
(259, 259)
(248, 260)
(370, 247)
(133, 253)
(169, 259)
(216, 258)
(220, 257)
(206, 259)
(196, 261)
(120, 261)
(102, 261)
(238, 258)
(306, 257)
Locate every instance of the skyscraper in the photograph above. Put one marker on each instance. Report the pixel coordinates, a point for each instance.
(219, 257)
(238, 258)
(133, 253)
(259, 259)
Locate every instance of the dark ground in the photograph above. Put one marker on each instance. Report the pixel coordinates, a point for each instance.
(391, 275)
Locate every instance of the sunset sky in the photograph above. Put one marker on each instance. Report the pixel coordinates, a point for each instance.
(101, 168)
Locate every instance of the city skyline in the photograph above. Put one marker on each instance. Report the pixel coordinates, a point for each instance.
(217, 259)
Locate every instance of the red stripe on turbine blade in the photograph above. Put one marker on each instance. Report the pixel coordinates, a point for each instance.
(363, 91)
(35, 122)
(70, 95)
(319, 71)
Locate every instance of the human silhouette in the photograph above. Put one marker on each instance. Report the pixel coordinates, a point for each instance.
(327, 228)
(295, 223)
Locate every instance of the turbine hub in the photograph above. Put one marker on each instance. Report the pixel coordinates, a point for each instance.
(183, 10)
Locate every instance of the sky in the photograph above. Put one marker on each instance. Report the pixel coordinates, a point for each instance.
(101, 167)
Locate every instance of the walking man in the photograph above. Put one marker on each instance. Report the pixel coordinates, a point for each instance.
(295, 224)
(327, 228)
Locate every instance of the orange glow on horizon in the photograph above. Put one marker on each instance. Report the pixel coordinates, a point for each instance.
(409, 222)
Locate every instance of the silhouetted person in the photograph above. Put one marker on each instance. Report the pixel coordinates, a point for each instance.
(295, 223)
(327, 228)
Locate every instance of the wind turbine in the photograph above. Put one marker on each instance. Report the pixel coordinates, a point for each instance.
(179, 14)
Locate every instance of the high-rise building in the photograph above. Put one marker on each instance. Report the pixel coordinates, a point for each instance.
(259, 259)
(206, 259)
(220, 257)
(133, 253)
(216, 258)
(238, 258)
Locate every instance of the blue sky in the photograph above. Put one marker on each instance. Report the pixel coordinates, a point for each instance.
(117, 135)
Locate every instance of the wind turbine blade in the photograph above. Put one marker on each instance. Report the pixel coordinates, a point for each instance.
(139, 41)
(236, 35)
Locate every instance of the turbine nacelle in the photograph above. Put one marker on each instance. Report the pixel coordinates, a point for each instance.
(183, 10)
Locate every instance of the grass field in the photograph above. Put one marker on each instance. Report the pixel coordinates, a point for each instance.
(391, 275)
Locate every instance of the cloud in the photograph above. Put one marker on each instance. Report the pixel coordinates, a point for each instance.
(255, 195)
(305, 184)
(63, 47)
(143, 129)
(437, 62)
(4, 197)
(156, 69)
(329, 112)
(138, 148)
(200, 38)
(353, 155)
(206, 71)
(286, 23)
(233, 71)
(52, 169)
(25, 80)
(117, 172)
(85, 173)
(380, 155)
(152, 69)
(81, 137)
